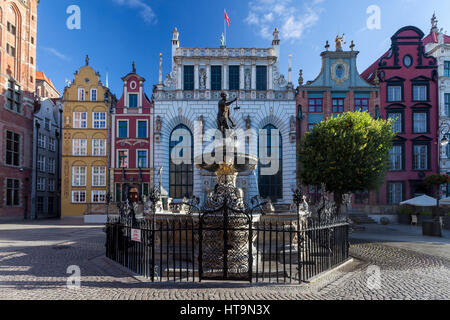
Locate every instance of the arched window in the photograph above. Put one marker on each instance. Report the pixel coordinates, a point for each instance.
(271, 186)
(181, 171)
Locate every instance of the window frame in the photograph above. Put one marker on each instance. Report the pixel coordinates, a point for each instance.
(80, 120)
(188, 78)
(119, 158)
(234, 77)
(129, 100)
(80, 175)
(15, 151)
(428, 155)
(361, 105)
(79, 192)
(338, 106)
(402, 193)
(138, 158)
(138, 128)
(13, 192)
(216, 78)
(261, 78)
(78, 150)
(99, 121)
(99, 175)
(315, 105)
(81, 94)
(91, 95)
(119, 121)
(392, 85)
(103, 148)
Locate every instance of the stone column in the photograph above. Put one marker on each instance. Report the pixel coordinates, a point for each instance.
(179, 82)
(270, 77)
(253, 76)
(241, 76)
(208, 76)
(224, 77)
(196, 82)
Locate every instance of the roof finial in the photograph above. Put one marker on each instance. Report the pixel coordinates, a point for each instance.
(352, 45)
(434, 22)
(327, 45)
(134, 67)
(300, 78)
(339, 42)
(87, 59)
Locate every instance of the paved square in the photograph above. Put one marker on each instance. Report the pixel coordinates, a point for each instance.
(34, 258)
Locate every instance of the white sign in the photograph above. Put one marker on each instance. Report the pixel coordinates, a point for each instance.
(136, 235)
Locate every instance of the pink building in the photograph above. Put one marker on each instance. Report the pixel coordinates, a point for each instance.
(408, 80)
(131, 140)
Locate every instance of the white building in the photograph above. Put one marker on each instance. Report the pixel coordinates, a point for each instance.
(437, 44)
(190, 94)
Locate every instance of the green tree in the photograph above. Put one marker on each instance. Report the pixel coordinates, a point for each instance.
(348, 153)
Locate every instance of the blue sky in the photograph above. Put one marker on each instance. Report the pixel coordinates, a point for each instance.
(116, 32)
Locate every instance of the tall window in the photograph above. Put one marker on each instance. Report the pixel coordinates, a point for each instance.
(142, 161)
(98, 147)
(40, 204)
(261, 78)
(51, 144)
(396, 158)
(234, 77)
(394, 93)
(42, 141)
(122, 157)
(315, 105)
(80, 120)
(395, 192)
(362, 104)
(11, 50)
(420, 157)
(420, 93)
(12, 192)
(78, 196)
(99, 120)
(93, 94)
(142, 129)
(338, 105)
(447, 69)
(188, 78)
(51, 185)
(12, 149)
(123, 129)
(51, 166)
(79, 176)
(216, 78)
(181, 178)
(81, 94)
(79, 147)
(14, 97)
(132, 100)
(41, 163)
(447, 104)
(51, 205)
(420, 124)
(398, 122)
(11, 28)
(47, 124)
(271, 185)
(99, 176)
(41, 184)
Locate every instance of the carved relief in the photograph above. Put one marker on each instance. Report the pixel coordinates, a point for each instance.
(66, 179)
(248, 79)
(203, 79)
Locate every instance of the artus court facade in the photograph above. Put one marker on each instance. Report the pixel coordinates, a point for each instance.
(189, 95)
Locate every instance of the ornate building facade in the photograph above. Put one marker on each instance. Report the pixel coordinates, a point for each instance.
(408, 79)
(132, 140)
(186, 105)
(18, 28)
(437, 44)
(86, 142)
(45, 87)
(337, 89)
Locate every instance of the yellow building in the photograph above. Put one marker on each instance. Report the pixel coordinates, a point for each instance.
(85, 146)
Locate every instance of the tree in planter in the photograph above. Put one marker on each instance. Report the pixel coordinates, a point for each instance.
(346, 154)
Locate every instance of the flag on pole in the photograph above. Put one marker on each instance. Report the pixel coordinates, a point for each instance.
(227, 19)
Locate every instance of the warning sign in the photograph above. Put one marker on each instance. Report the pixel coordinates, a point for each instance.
(136, 235)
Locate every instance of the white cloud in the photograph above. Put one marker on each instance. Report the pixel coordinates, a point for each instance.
(290, 19)
(57, 54)
(146, 11)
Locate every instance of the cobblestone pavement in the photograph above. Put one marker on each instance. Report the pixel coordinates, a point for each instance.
(34, 259)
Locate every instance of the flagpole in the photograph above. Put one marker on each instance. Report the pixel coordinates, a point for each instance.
(225, 27)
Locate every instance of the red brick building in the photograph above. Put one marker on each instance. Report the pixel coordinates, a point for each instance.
(132, 140)
(18, 27)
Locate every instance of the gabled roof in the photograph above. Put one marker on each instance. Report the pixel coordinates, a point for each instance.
(41, 76)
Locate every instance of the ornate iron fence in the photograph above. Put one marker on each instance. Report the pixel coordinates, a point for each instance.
(281, 249)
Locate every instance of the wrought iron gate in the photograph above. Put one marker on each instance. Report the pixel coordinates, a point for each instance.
(225, 244)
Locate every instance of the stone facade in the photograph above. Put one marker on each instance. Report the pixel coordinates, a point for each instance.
(338, 88)
(18, 28)
(437, 44)
(189, 95)
(132, 140)
(86, 142)
(408, 78)
(46, 183)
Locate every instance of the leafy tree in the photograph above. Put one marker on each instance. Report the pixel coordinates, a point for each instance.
(348, 153)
